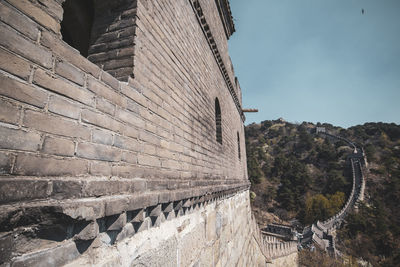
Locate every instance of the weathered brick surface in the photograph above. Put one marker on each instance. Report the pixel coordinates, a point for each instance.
(8, 112)
(52, 124)
(98, 152)
(19, 189)
(101, 120)
(37, 14)
(58, 146)
(6, 161)
(22, 92)
(45, 166)
(105, 106)
(14, 65)
(62, 87)
(23, 24)
(70, 72)
(67, 116)
(64, 107)
(24, 47)
(19, 140)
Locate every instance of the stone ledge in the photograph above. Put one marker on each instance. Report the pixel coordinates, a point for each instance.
(87, 223)
(93, 208)
(27, 189)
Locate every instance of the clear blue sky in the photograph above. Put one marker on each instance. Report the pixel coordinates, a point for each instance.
(318, 60)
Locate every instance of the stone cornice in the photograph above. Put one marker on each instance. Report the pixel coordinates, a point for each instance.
(213, 45)
(111, 219)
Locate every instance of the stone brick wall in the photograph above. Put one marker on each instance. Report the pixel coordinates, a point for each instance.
(63, 116)
(90, 145)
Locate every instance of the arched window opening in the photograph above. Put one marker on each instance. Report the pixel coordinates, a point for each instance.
(76, 26)
(238, 143)
(218, 121)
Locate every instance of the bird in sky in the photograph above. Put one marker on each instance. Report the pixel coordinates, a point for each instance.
(362, 11)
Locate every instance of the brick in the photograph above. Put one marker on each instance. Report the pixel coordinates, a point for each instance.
(21, 23)
(63, 107)
(116, 205)
(99, 152)
(37, 14)
(128, 171)
(22, 92)
(53, 7)
(132, 106)
(44, 166)
(55, 125)
(108, 187)
(129, 157)
(58, 146)
(150, 149)
(150, 127)
(14, 65)
(130, 117)
(171, 164)
(24, 47)
(150, 138)
(20, 189)
(110, 80)
(122, 74)
(6, 161)
(63, 87)
(118, 63)
(130, 131)
(69, 54)
(105, 106)
(8, 112)
(102, 137)
(142, 201)
(66, 189)
(156, 185)
(19, 139)
(149, 160)
(101, 120)
(133, 94)
(100, 168)
(70, 72)
(54, 256)
(84, 209)
(102, 90)
(127, 143)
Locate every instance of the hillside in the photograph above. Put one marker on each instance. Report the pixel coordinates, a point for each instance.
(299, 177)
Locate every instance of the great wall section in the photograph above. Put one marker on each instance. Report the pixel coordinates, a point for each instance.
(122, 137)
(322, 234)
